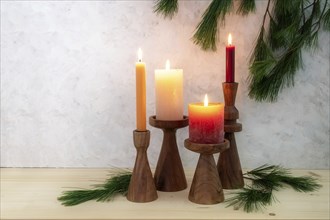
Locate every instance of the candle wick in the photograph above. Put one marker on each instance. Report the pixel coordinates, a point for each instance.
(140, 60)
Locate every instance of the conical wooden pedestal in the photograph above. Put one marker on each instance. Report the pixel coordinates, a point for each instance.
(169, 174)
(142, 186)
(206, 185)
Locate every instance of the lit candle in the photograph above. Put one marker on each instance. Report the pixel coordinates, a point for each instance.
(169, 93)
(206, 122)
(140, 93)
(230, 61)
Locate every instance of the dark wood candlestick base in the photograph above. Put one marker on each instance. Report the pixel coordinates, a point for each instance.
(141, 187)
(206, 185)
(169, 174)
(229, 165)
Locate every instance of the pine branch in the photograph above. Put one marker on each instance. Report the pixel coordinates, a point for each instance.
(276, 177)
(326, 20)
(309, 30)
(207, 30)
(265, 180)
(246, 6)
(251, 199)
(116, 184)
(168, 8)
(277, 54)
(284, 23)
(267, 170)
(302, 184)
(76, 197)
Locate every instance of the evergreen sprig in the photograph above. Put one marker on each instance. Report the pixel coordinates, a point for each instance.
(206, 33)
(265, 180)
(278, 176)
(251, 199)
(116, 184)
(291, 27)
(207, 30)
(246, 6)
(168, 8)
(326, 19)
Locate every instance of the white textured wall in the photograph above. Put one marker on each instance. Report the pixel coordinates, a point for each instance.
(68, 86)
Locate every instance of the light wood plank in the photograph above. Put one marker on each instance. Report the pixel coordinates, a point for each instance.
(31, 194)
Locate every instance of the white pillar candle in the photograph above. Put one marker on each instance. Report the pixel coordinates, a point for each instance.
(169, 93)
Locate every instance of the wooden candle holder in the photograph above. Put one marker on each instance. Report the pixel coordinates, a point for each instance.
(141, 187)
(229, 165)
(169, 174)
(206, 185)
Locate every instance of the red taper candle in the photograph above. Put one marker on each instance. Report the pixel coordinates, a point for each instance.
(230, 61)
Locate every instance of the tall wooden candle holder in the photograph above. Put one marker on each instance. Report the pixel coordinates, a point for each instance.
(206, 185)
(169, 174)
(229, 165)
(141, 187)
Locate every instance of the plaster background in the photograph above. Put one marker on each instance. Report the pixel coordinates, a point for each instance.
(68, 85)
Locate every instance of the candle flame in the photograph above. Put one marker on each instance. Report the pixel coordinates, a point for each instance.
(167, 65)
(206, 100)
(140, 55)
(230, 39)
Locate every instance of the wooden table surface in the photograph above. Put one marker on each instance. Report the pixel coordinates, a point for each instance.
(31, 193)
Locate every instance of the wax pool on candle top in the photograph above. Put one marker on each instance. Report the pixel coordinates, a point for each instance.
(206, 122)
(140, 94)
(230, 61)
(169, 93)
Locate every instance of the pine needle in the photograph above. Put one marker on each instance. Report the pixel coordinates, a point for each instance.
(275, 177)
(326, 20)
(276, 59)
(168, 8)
(246, 6)
(114, 185)
(251, 199)
(265, 180)
(266, 170)
(207, 30)
(302, 184)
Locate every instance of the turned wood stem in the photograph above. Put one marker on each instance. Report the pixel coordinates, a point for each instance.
(206, 185)
(169, 174)
(229, 165)
(142, 187)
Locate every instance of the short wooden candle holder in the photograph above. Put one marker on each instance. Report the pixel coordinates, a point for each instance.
(206, 185)
(229, 165)
(141, 187)
(169, 174)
